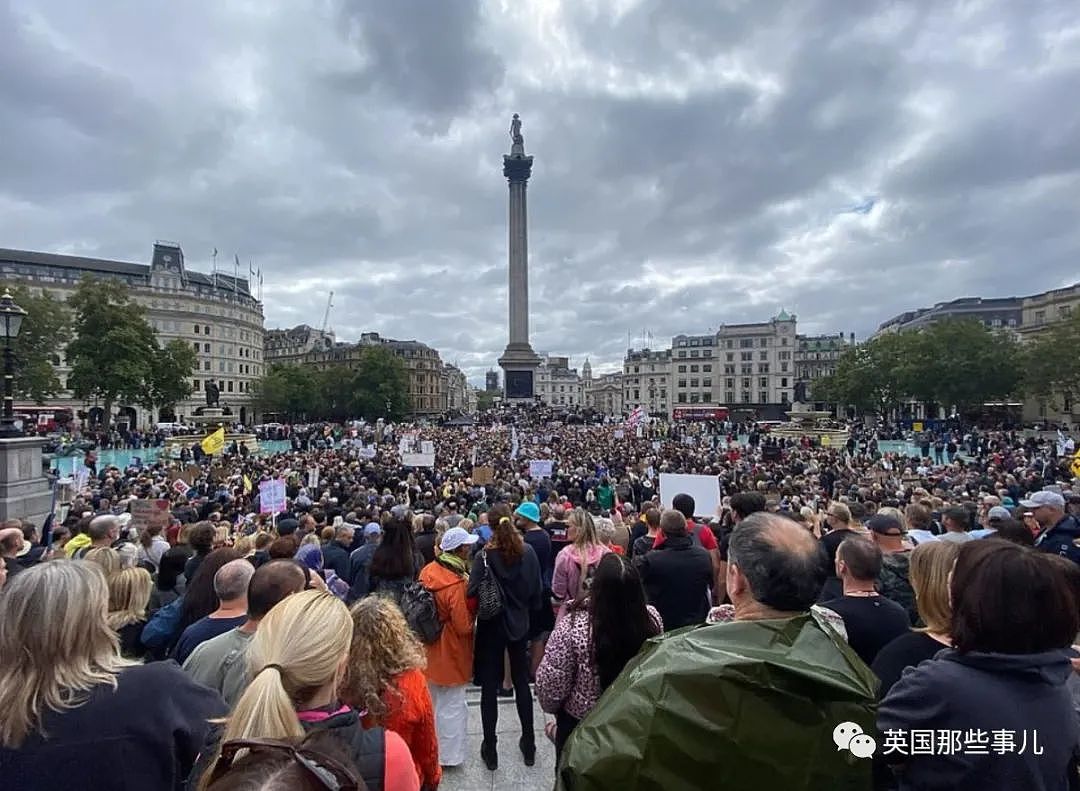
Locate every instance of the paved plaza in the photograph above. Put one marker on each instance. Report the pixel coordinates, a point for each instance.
(512, 772)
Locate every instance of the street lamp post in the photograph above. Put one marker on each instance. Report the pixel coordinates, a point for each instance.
(11, 316)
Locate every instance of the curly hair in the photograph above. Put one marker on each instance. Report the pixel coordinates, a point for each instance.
(383, 647)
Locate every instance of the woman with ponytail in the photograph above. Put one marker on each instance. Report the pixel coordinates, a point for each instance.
(296, 662)
(514, 565)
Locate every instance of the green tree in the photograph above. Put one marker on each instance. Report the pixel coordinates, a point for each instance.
(288, 390)
(872, 377)
(381, 386)
(113, 353)
(485, 399)
(963, 364)
(172, 369)
(45, 331)
(1052, 363)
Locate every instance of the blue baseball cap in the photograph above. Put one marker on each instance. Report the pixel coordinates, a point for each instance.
(530, 511)
(372, 529)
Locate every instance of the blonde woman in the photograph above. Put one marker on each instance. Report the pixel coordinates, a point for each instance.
(296, 662)
(575, 564)
(75, 713)
(129, 596)
(105, 558)
(929, 570)
(385, 679)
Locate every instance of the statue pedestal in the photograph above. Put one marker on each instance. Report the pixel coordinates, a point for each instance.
(24, 489)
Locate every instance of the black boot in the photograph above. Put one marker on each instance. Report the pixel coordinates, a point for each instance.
(490, 756)
(527, 744)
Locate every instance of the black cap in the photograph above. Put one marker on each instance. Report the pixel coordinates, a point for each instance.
(885, 525)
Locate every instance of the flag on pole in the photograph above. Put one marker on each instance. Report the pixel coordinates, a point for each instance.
(236, 271)
(214, 442)
(637, 416)
(247, 485)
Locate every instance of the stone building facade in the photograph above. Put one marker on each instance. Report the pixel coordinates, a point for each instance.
(289, 346)
(217, 314)
(1039, 313)
(816, 356)
(557, 384)
(646, 381)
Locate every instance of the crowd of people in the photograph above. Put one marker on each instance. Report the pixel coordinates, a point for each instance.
(331, 642)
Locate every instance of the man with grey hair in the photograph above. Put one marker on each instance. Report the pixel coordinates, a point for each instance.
(230, 587)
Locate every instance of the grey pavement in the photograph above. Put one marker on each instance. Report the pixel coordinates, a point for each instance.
(512, 772)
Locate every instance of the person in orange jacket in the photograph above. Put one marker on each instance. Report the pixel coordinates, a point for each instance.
(450, 658)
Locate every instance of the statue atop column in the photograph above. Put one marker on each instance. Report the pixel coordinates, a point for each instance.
(518, 146)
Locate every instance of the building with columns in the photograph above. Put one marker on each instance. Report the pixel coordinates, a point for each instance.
(457, 389)
(289, 346)
(217, 314)
(816, 356)
(1039, 313)
(604, 393)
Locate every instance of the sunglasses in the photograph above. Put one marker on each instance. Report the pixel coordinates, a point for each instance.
(331, 774)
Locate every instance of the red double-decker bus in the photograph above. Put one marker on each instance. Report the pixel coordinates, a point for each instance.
(700, 413)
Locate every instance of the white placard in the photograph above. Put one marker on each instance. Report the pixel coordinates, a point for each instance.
(619, 433)
(540, 468)
(272, 496)
(705, 489)
(418, 459)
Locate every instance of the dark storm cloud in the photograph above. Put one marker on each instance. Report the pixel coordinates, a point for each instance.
(696, 163)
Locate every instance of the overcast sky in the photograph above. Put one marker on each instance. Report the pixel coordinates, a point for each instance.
(696, 162)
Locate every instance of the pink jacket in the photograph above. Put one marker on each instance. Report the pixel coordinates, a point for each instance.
(567, 574)
(567, 678)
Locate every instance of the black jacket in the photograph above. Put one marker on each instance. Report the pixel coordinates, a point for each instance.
(336, 559)
(144, 734)
(521, 586)
(677, 576)
(425, 545)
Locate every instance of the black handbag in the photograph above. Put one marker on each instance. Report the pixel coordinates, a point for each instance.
(490, 595)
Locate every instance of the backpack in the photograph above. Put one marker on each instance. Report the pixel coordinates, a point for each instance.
(418, 605)
(163, 628)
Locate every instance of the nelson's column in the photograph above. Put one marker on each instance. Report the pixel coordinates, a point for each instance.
(519, 362)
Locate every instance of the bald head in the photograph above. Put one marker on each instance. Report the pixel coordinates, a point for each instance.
(231, 580)
(783, 564)
(271, 583)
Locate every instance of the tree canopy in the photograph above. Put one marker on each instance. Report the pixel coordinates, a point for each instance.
(377, 387)
(957, 364)
(1052, 363)
(45, 330)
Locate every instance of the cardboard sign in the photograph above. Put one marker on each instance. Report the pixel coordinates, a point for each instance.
(917, 426)
(272, 496)
(540, 468)
(482, 476)
(705, 489)
(149, 513)
(191, 474)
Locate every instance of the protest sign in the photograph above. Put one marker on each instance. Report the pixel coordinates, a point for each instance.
(656, 444)
(272, 496)
(427, 447)
(705, 489)
(418, 459)
(619, 433)
(149, 513)
(82, 477)
(367, 452)
(180, 487)
(313, 477)
(191, 474)
(540, 468)
(482, 476)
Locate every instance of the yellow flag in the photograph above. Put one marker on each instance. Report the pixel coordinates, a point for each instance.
(214, 443)
(1075, 466)
(247, 485)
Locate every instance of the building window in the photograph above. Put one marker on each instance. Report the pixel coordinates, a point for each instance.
(196, 345)
(783, 368)
(706, 369)
(706, 352)
(763, 397)
(763, 382)
(682, 398)
(729, 396)
(206, 348)
(706, 382)
(206, 330)
(694, 399)
(729, 369)
(196, 329)
(746, 343)
(747, 356)
(746, 383)
(747, 368)
(783, 341)
(694, 353)
(693, 382)
(682, 369)
(763, 368)
(730, 357)
(693, 369)
(764, 342)
(706, 397)
(783, 381)
(745, 397)
(682, 383)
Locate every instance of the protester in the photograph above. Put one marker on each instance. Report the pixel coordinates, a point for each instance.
(129, 597)
(77, 715)
(893, 582)
(169, 584)
(576, 563)
(957, 523)
(591, 646)
(314, 763)
(643, 543)
(677, 575)
(221, 662)
(152, 546)
(297, 660)
(395, 561)
(871, 621)
(931, 564)
(105, 558)
(1006, 672)
(201, 541)
(385, 680)
(1059, 533)
(513, 564)
(103, 531)
(426, 539)
(230, 588)
(541, 621)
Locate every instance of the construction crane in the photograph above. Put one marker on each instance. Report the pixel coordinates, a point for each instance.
(326, 315)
